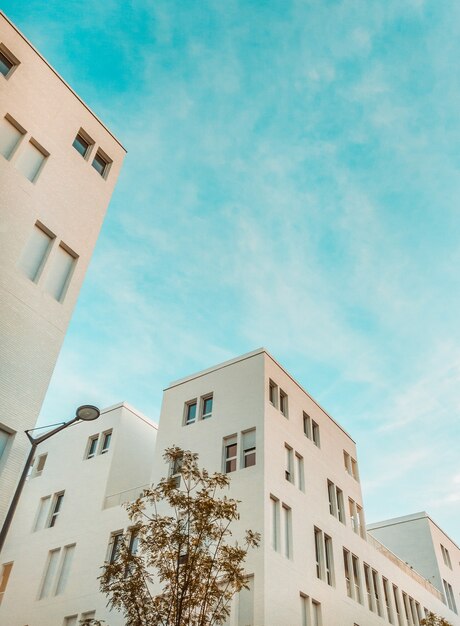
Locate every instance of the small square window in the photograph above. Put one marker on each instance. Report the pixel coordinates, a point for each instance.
(101, 163)
(207, 407)
(40, 464)
(190, 412)
(8, 62)
(81, 144)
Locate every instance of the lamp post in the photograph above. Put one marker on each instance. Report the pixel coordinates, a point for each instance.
(86, 413)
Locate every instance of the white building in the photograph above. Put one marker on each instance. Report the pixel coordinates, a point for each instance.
(295, 471)
(58, 168)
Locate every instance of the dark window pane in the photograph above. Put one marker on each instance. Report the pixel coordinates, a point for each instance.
(230, 466)
(99, 164)
(5, 64)
(207, 406)
(92, 448)
(249, 458)
(191, 412)
(80, 145)
(106, 444)
(231, 450)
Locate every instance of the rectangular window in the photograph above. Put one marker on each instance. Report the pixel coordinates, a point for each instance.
(88, 615)
(275, 522)
(347, 570)
(60, 273)
(354, 469)
(42, 513)
(273, 393)
(446, 556)
(116, 541)
(356, 578)
(4, 577)
(316, 613)
(331, 497)
(249, 447)
(40, 464)
(106, 439)
(360, 521)
(300, 472)
(315, 433)
(397, 605)
(307, 425)
(413, 611)
(8, 62)
(304, 610)
(347, 462)
(406, 607)
(287, 514)
(64, 571)
(11, 134)
(36, 252)
(246, 603)
(376, 590)
(289, 459)
(31, 159)
(101, 163)
(206, 407)
(92, 446)
(50, 573)
(284, 403)
(319, 553)
(387, 598)
(176, 465)
(71, 620)
(230, 454)
(367, 580)
(190, 412)
(340, 505)
(329, 559)
(55, 508)
(82, 143)
(449, 596)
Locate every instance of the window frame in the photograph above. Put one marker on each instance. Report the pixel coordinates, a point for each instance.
(89, 446)
(90, 143)
(273, 395)
(55, 509)
(203, 400)
(187, 407)
(230, 442)
(102, 156)
(284, 403)
(11, 58)
(106, 435)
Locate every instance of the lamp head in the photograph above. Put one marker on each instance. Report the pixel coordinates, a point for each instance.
(87, 412)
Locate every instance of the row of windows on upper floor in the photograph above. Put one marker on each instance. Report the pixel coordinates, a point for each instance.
(405, 612)
(29, 157)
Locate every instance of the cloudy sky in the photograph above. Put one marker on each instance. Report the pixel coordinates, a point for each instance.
(293, 182)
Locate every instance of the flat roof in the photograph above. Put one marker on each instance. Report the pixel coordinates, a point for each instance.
(2, 14)
(250, 355)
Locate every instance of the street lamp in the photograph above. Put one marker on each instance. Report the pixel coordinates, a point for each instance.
(86, 413)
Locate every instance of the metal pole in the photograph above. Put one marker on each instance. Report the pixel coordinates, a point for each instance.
(22, 480)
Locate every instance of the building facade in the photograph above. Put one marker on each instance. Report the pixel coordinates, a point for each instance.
(58, 168)
(293, 468)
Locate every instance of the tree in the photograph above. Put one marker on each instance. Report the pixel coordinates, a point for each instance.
(184, 572)
(434, 620)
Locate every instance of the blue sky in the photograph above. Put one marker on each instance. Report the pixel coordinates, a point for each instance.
(293, 182)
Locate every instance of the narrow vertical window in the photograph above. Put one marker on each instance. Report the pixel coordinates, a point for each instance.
(206, 407)
(446, 556)
(5, 64)
(289, 469)
(4, 577)
(360, 521)
(249, 447)
(449, 596)
(318, 553)
(356, 578)
(354, 469)
(275, 522)
(64, 572)
(30, 160)
(106, 439)
(367, 580)
(304, 610)
(56, 508)
(36, 252)
(300, 472)
(287, 514)
(50, 573)
(11, 134)
(283, 403)
(116, 541)
(346, 565)
(353, 515)
(273, 393)
(246, 603)
(316, 613)
(42, 513)
(397, 605)
(413, 611)
(307, 425)
(190, 412)
(340, 505)
(331, 497)
(92, 446)
(406, 607)
(40, 464)
(230, 454)
(60, 273)
(376, 586)
(386, 595)
(315, 433)
(4, 440)
(347, 462)
(329, 559)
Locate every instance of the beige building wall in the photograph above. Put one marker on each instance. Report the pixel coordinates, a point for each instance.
(52, 204)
